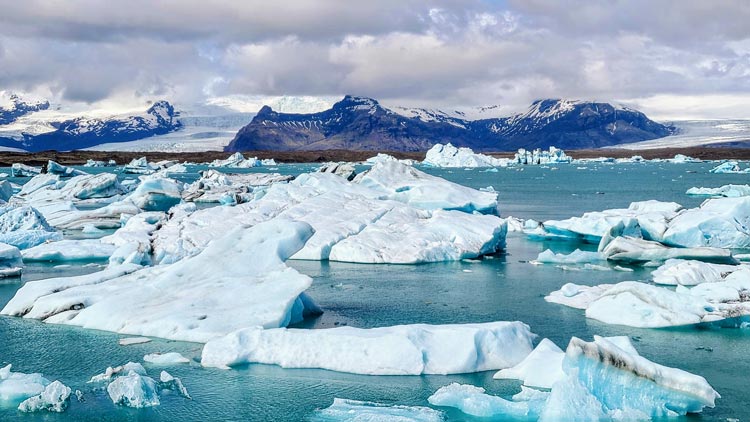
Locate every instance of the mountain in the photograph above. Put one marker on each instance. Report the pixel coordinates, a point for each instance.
(12, 106)
(83, 132)
(359, 123)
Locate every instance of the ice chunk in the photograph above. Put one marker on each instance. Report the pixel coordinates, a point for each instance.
(17, 386)
(540, 156)
(170, 358)
(343, 169)
(213, 186)
(156, 194)
(112, 372)
(719, 222)
(576, 257)
(729, 167)
(95, 163)
(385, 157)
(633, 250)
(133, 390)
(54, 398)
(65, 171)
(24, 227)
(398, 350)
(6, 190)
(11, 264)
(474, 401)
(403, 183)
(127, 341)
(197, 299)
(236, 160)
(140, 166)
(690, 273)
(541, 368)
(69, 250)
(22, 170)
(168, 382)
(449, 156)
(727, 191)
(360, 411)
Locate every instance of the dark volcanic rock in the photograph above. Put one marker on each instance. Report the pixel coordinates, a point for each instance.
(363, 124)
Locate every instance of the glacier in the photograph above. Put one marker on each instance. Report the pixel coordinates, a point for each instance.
(398, 350)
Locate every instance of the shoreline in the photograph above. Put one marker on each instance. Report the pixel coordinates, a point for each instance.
(122, 157)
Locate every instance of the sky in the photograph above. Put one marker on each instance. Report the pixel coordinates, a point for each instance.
(672, 59)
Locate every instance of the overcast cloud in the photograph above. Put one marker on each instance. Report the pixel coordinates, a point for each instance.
(677, 58)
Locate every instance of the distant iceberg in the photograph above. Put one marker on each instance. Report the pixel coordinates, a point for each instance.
(449, 156)
(539, 156)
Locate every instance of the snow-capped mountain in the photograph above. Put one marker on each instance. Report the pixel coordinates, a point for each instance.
(364, 124)
(83, 132)
(13, 106)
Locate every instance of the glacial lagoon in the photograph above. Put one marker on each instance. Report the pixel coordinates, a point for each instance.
(499, 288)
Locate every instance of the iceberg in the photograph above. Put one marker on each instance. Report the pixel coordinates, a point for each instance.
(156, 194)
(576, 257)
(359, 411)
(541, 368)
(133, 390)
(22, 170)
(540, 156)
(633, 250)
(113, 371)
(602, 380)
(69, 250)
(679, 272)
(236, 160)
(54, 398)
(168, 382)
(170, 358)
(95, 163)
(725, 191)
(343, 169)
(449, 156)
(729, 167)
(719, 223)
(140, 166)
(399, 350)
(16, 387)
(64, 171)
(11, 263)
(24, 227)
(196, 299)
(213, 185)
(385, 157)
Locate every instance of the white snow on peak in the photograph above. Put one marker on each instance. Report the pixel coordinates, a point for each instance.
(282, 104)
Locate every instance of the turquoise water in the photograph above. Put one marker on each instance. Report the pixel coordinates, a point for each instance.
(504, 288)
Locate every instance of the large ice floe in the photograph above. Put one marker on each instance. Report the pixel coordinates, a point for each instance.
(343, 410)
(602, 380)
(189, 300)
(726, 191)
(720, 296)
(390, 214)
(398, 350)
(32, 392)
(449, 156)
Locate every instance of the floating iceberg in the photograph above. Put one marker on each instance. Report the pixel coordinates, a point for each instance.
(541, 368)
(398, 350)
(133, 390)
(213, 185)
(61, 170)
(343, 169)
(603, 380)
(69, 250)
(359, 411)
(539, 156)
(236, 160)
(449, 156)
(140, 166)
(726, 191)
(380, 158)
(22, 170)
(16, 387)
(94, 163)
(633, 251)
(24, 227)
(168, 382)
(576, 257)
(729, 167)
(11, 263)
(54, 398)
(719, 222)
(678, 272)
(196, 299)
(156, 194)
(165, 358)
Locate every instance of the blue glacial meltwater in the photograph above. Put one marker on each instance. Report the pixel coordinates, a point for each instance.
(504, 287)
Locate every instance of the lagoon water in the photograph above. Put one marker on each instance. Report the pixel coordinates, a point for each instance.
(505, 287)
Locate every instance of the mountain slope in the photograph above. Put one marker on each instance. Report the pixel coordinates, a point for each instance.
(83, 132)
(12, 106)
(363, 124)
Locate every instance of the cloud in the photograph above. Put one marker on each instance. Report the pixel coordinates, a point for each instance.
(432, 53)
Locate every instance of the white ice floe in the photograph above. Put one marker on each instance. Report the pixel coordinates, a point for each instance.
(380, 158)
(129, 341)
(197, 299)
(64, 171)
(170, 358)
(541, 368)
(236, 160)
(95, 163)
(168, 382)
(213, 186)
(633, 250)
(729, 167)
(398, 350)
(133, 390)
(343, 169)
(603, 380)
(11, 263)
(358, 222)
(22, 170)
(156, 194)
(54, 398)
(69, 250)
(16, 387)
(449, 156)
(643, 305)
(343, 410)
(24, 227)
(719, 222)
(539, 156)
(726, 191)
(140, 166)
(678, 272)
(576, 257)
